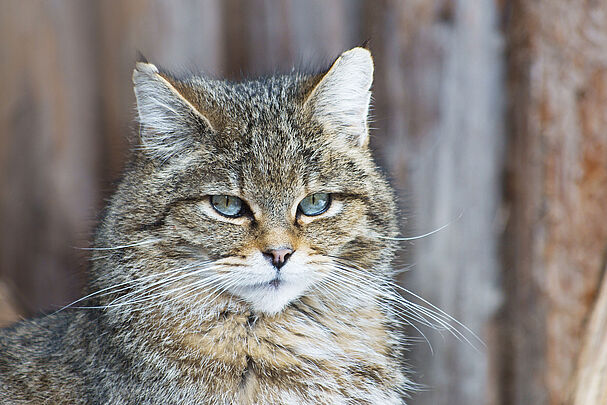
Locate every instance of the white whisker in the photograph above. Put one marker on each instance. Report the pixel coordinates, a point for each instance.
(162, 294)
(429, 315)
(165, 281)
(144, 242)
(425, 234)
(114, 288)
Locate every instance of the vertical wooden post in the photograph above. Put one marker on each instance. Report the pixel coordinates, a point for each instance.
(48, 149)
(556, 192)
(439, 93)
(590, 383)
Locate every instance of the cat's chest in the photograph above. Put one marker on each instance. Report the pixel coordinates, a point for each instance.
(299, 359)
(250, 346)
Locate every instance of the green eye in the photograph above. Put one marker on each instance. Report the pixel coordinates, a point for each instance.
(227, 205)
(315, 204)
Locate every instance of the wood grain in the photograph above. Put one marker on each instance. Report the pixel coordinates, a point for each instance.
(556, 193)
(590, 383)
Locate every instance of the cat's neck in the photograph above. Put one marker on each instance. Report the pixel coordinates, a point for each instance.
(242, 353)
(230, 333)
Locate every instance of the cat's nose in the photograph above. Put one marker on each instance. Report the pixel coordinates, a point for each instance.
(278, 257)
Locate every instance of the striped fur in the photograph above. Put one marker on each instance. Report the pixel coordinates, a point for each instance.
(180, 309)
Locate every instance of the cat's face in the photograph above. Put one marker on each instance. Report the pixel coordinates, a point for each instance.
(274, 211)
(269, 183)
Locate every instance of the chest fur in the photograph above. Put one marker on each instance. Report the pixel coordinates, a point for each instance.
(300, 357)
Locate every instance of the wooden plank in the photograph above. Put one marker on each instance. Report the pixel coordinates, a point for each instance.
(48, 162)
(8, 310)
(590, 383)
(556, 194)
(439, 113)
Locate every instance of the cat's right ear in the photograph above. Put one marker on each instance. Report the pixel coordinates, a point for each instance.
(169, 123)
(340, 99)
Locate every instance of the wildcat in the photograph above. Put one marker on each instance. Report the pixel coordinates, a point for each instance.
(244, 259)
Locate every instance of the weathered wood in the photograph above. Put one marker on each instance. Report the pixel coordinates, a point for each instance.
(276, 36)
(48, 153)
(439, 114)
(556, 192)
(590, 384)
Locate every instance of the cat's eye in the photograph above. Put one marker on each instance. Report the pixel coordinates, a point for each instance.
(315, 204)
(227, 205)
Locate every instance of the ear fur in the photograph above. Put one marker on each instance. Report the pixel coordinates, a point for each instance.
(169, 123)
(340, 101)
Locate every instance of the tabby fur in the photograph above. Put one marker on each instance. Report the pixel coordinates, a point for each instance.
(164, 322)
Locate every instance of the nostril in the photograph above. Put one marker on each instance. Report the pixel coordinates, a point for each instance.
(286, 257)
(269, 256)
(278, 257)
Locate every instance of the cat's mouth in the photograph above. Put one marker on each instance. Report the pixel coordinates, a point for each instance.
(275, 283)
(270, 291)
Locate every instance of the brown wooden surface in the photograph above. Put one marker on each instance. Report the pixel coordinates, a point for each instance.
(490, 116)
(8, 310)
(49, 148)
(590, 383)
(556, 195)
(440, 132)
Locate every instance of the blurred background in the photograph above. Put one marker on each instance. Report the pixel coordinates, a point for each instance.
(489, 116)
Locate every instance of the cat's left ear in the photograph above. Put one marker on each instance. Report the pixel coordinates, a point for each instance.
(341, 98)
(170, 123)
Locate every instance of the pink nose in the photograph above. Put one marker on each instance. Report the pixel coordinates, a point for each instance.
(278, 257)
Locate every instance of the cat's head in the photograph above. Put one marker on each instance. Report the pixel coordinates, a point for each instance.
(264, 191)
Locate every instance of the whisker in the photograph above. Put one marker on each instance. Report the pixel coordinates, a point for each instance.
(384, 292)
(425, 234)
(162, 294)
(389, 290)
(141, 299)
(116, 288)
(338, 285)
(160, 283)
(144, 242)
(441, 312)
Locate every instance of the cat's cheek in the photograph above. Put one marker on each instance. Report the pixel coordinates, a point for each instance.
(327, 237)
(198, 226)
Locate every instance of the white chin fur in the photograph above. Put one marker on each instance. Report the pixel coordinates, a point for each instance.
(271, 300)
(255, 288)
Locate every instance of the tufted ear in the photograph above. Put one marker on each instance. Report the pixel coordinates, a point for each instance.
(169, 123)
(340, 101)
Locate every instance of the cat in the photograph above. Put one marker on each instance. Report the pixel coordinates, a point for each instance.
(245, 257)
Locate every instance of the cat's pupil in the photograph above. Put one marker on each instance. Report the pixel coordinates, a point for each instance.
(227, 205)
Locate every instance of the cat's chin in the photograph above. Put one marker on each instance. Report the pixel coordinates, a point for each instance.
(272, 297)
